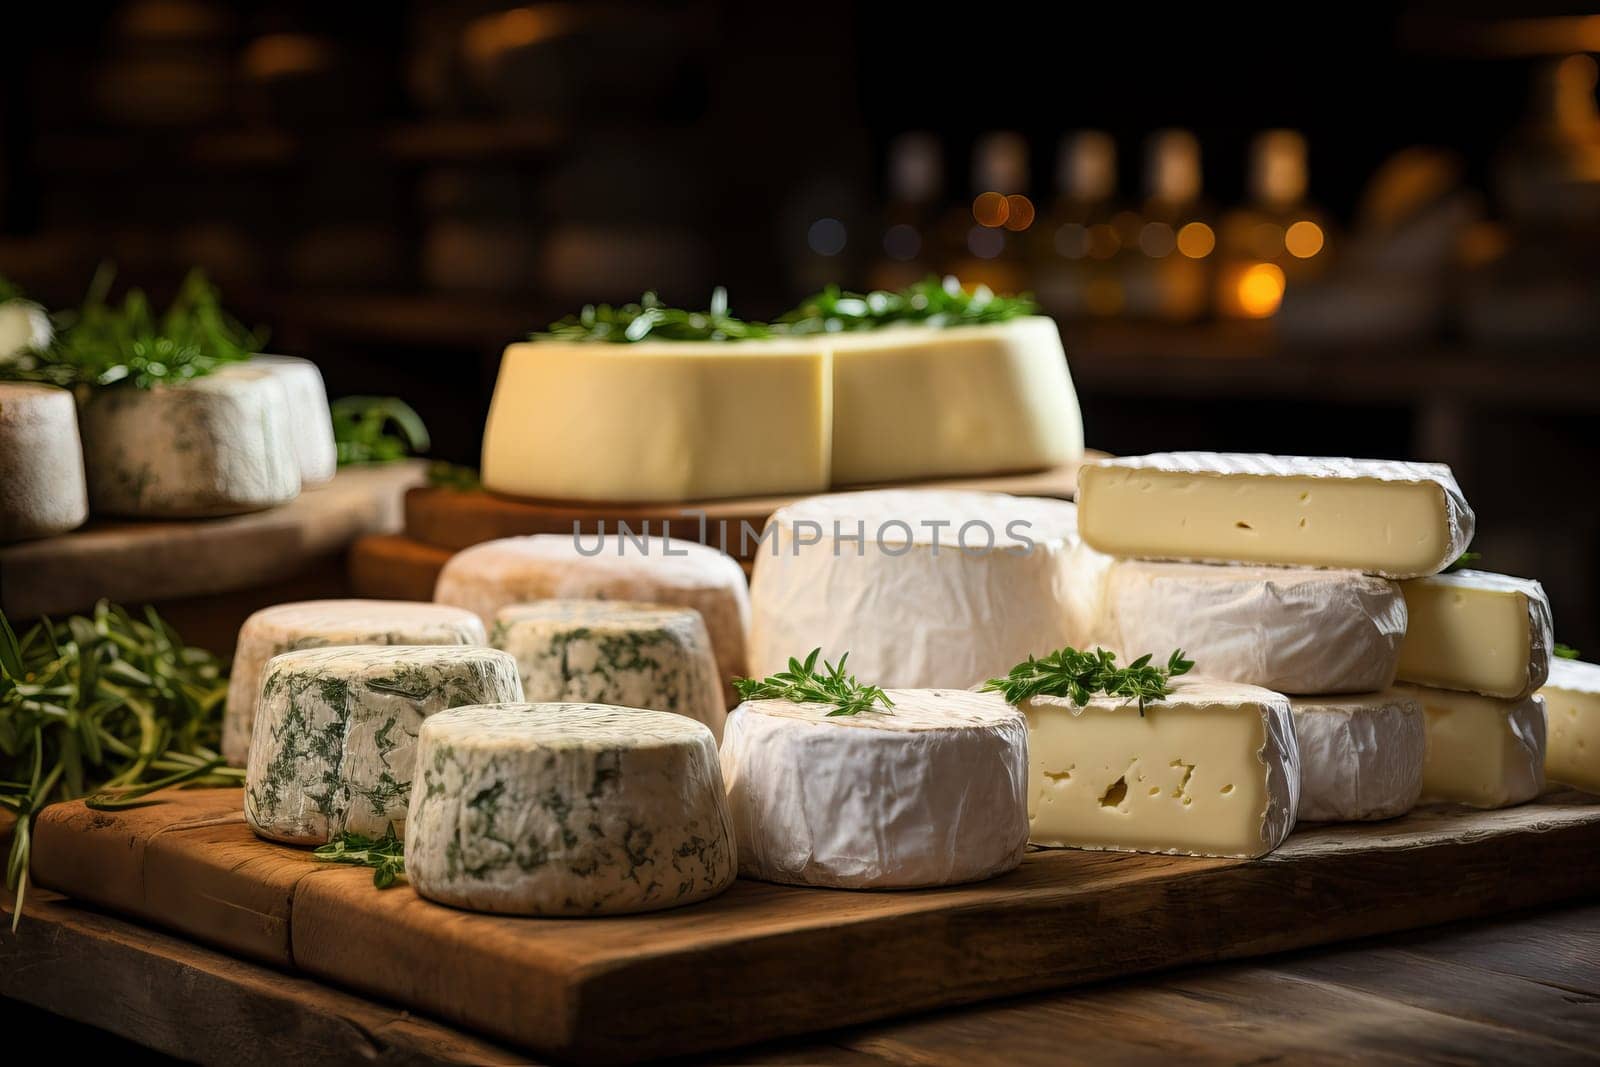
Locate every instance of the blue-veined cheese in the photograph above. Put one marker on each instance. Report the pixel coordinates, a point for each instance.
(1572, 724)
(614, 652)
(1361, 755)
(567, 809)
(929, 792)
(319, 623)
(309, 418)
(1478, 632)
(1481, 751)
(41, 462)
(335, 734)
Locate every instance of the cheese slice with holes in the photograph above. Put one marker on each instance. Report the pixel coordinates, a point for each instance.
(1399, 520)
(1360, 756)
(1211, 770)
(1482, 752)
(41, 462)
(1572, 721)
(1478, 632)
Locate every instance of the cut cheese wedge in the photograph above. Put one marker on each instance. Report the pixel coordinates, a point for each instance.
(1572, 718)
(1211, 770)
(660, 420)
(1399, 520)
(1479, 632)
(1482, 752)
(1360, 756)
(41, 462)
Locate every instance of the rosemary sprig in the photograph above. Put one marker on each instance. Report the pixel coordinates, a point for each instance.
(386, 855)
(1078, 676)
(802, 683)
(1565, 652)
(377, 429)
(933, 302)
(107, 706)
(653, 320)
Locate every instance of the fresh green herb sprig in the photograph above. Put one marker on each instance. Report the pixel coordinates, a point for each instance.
(1078, 676)
(1565, 652)
(103, 344)
(444, 475)
(802, 683)
(386, 855)
(650, 319)
(934, 303)
(1461, 562)
(377, 429)
(107, 706)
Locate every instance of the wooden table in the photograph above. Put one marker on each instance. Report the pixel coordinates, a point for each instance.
(1525, 988)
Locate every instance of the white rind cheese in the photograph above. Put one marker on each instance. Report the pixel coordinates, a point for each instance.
(913, 402)
(1211, 770)
(1482, 752)
(614, 652)
(217, 445)
(928, 794)
(41, 462)
(1399, 520)
(1477, 632)
(1291, 629)
(1360, 756)
(309, 416)
(1572, 720)
(319, 623)
(660, 420)
(518, 570)
(883, 576)
(24, 325)
(335, 734)
(567, 809)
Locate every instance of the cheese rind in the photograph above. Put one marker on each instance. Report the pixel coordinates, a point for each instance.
(930, 793)
(518, 570)
(567, 809)
(614, 652)
(883, 576)
(1211, 770)
(1360, 756)
(1478, 632)
(660, 420)
(1293, 630)
(335, 735)
(24, 325)
(966, 400)
(1572, 721)
(318, 623)
(216, 445)
(1398, 520)
(309, 417)
(1482, 752)
(41, 462)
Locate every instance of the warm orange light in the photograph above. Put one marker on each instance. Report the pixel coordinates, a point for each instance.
(1019, 212)
(278, 55)
(1260, 290)
(1103, 241)
(1196, 240)
(488, 37)
(990, 209)
(1303, 239)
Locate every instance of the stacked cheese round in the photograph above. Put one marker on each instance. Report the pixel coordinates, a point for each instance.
(1361, 756)
(614, 652)
(318, 623)
(1481, 751)
(567, 809)
(41, 462)
(309, 418)
(922, 588)
(1572, 718)
(334, 743)
(216, 445)
(659, 570)
(928, 792)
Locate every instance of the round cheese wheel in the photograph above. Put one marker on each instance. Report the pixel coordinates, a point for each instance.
(309, 418)
(41, 462)
(1360, 756)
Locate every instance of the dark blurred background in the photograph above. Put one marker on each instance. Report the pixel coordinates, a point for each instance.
(1321, 229)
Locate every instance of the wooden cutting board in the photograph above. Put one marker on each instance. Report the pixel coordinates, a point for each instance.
(763, 960)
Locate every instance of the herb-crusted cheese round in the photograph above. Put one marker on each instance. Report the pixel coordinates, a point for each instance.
(923, 588)
(658, 570)
(567, 809)
(614, 652)
(217, 445)
(930, 792)
(1360, 756)
(319, 623)
(335, 733)
(41, 462)
(309, 417)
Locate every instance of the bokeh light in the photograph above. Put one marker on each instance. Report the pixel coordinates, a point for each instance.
(1019, 212)
(1196, 240)
(1303, 239)
(826, 237)
(1260, 290)
(990, 209)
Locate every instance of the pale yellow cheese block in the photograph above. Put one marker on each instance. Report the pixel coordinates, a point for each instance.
(1482, 752)
(1478, 632)
(1572, 718)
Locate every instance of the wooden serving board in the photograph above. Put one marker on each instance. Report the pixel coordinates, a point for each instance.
(763, 960)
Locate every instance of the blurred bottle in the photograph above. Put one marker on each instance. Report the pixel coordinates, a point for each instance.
(1274, 239)
(1169, 277)
(991, 251)
(1075, 249)
(911, 244)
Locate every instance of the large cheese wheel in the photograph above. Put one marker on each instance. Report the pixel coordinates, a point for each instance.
(309, 418)
(317, 623)
(922, 588)
(41, 462)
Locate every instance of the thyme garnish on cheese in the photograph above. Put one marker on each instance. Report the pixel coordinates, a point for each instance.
(802, 683)
(1079, 676)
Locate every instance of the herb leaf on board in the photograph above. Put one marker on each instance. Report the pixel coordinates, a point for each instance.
(386, 855)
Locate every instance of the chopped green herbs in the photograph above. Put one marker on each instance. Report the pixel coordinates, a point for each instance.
(933, 303)
(802, 683)
(386, 855)
(651, 319)
(1080, 675)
